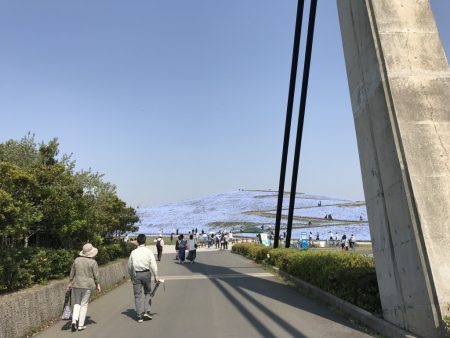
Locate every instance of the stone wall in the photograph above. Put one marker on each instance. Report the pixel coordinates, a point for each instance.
(28, 309)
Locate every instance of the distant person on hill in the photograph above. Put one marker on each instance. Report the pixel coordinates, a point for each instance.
(319, 204)
(159, 247)
(192, 249)
(141, 267)
(331, 235)
(84, 276)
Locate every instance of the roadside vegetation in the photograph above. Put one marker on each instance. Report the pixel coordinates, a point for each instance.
(349, 276)
(48, 211)
(447, 325)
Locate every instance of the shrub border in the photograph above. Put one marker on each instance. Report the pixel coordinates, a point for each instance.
(373, 322)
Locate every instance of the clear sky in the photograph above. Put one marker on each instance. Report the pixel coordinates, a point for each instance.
(178, 99)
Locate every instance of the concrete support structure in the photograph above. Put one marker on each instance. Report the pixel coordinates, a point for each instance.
(399, 82)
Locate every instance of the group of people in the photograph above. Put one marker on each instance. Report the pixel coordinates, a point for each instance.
(84, 277)
(182, 245)
(344, 242)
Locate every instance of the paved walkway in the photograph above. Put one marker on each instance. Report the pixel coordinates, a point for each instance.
(221, 295)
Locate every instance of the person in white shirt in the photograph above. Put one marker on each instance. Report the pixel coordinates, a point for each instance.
(141, 267)
(159, 247)
(192, 248)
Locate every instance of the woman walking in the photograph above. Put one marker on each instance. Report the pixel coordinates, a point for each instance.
(181, 249)
(83, 278)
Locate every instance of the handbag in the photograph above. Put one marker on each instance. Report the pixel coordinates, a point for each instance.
(67, 310)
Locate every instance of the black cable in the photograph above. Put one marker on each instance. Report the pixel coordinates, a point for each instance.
(287, 128)
(298, 141)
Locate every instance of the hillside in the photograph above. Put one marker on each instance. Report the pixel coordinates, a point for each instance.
(246, 210)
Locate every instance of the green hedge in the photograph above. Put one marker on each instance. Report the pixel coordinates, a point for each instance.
(349, 276)
(447, 325)
(24, 267)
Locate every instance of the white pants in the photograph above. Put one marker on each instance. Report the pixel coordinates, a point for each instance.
(81, 300)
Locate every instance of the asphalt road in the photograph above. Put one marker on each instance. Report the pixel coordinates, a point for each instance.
(221, 295)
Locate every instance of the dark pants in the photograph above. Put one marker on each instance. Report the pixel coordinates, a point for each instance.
(159, 249)
(191, 255)
(142, 282)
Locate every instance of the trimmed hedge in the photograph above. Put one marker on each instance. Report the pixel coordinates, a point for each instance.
(349, 276)
(24, 267)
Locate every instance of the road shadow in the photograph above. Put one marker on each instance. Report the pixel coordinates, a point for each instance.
(267, 287)
(131, 313)
(68, 324)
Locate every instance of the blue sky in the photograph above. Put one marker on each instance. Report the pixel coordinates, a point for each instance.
(179, 99)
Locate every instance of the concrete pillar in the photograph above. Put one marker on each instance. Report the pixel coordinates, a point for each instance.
(399, 82)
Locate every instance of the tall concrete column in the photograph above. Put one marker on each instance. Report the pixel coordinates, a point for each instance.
(399, 82)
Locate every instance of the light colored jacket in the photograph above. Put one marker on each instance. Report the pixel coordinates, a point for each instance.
(142, 259)
(191, 244)
(84, 273)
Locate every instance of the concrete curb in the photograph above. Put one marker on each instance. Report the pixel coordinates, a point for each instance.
(27, 310)
(375, 323)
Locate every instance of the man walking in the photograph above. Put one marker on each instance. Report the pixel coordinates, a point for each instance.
(159, 247)
(141, 267)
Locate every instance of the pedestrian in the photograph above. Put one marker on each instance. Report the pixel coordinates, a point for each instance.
(159, 247)
(343, 242)
(141, 267)
(177, 248)
(192, 249)
(171, 238)
(222, 242)
(226, 241)
(84, 277)
(181, 249)
(352, 241)
(217, 241)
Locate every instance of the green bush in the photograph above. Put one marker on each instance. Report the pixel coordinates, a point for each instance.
(348, 276)
(15, 270)
(24, 267)
(447, 325)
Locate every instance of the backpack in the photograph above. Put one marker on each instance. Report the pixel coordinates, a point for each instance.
(158, 243)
